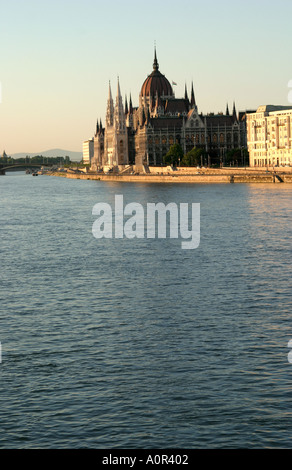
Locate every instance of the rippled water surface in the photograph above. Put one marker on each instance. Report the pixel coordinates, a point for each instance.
(138, 343)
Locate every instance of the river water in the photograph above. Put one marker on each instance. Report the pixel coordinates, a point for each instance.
(118, 343)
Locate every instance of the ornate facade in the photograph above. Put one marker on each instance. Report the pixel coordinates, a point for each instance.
(143, 135)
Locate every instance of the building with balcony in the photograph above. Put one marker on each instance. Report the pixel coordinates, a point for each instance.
(269, 136)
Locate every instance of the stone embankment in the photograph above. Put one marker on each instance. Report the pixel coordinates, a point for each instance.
(188, 175)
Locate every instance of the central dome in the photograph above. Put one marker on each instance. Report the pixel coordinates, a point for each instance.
(156, 83)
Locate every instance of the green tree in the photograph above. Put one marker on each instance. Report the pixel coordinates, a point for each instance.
(174, 155)
(193, 157)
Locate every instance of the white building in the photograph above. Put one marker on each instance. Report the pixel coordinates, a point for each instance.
(88, 151)
(269, 136)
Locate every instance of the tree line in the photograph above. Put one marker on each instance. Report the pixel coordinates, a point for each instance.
(199, 157)
(36, 160)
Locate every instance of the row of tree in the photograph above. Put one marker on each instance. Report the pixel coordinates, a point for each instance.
(198, 156)
(36, 160)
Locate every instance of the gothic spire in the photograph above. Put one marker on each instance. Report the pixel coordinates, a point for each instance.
(118, 89)
(193, 100)
(119, 113)
(234, 111)
(110, 108)
(126, 106)
(97, 128)
(227, 110)
(186, 93)
(155, 63)
(130, 105)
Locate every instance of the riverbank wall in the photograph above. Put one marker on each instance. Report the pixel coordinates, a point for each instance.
(208, 176)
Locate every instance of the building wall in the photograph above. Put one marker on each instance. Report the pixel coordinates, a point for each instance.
(269, 136)
(88, 151)
(219, 140)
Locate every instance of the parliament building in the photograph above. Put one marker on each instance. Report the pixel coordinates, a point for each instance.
(143, 135)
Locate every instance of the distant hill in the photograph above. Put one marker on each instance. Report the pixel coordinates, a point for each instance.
(74, 156)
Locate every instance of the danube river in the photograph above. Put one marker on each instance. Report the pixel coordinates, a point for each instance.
(138, 344)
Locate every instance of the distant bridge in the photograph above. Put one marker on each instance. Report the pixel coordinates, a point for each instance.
(21, 166)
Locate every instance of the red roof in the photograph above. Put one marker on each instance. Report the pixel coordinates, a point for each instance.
(156, 83)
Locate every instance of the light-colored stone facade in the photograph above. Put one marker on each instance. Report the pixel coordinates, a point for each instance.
(88, 151)
(269, 136)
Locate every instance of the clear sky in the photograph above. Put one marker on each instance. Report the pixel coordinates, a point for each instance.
(57, 57)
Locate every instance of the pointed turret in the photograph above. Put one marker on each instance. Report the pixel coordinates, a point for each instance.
(110, 108)
(193, 100)
(234, 115)
(186, 93)
(129, 116)
(126, 106)
(227, 110)
(130, 105)
(118, 89)
(97, 129)
(119, 114)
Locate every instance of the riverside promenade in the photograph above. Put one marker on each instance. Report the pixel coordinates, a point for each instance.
(188, 175)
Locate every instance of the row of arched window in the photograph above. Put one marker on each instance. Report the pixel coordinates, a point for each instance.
(195, 139)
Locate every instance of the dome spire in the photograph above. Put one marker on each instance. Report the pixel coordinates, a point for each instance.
(155, 63)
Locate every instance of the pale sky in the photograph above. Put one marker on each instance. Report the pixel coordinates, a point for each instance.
(58, 56)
